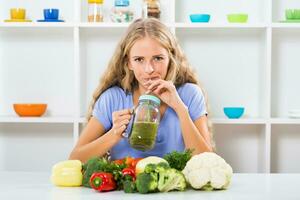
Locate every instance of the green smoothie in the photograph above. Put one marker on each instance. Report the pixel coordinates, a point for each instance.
(143, 135)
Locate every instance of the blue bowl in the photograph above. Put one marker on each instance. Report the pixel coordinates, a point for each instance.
(233, 112)
(51, 13)
(199, 17)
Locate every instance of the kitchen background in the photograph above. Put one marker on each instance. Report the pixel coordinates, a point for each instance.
(254, 65)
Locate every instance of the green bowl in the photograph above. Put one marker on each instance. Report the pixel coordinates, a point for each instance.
(292, 14)
(237, 18)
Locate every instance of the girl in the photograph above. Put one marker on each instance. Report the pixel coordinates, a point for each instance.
(147, 60)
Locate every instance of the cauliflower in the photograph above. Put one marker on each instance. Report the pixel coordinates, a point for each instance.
(207, 171)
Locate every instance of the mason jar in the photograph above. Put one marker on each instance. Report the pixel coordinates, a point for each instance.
(121, 12)
(146, 120)
(95, 10)
(151, 8)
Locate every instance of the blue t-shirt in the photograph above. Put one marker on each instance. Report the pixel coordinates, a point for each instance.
(169, 136)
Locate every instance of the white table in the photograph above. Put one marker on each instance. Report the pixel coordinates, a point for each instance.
(36, 185)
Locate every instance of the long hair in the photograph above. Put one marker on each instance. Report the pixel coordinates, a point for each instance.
(117, 72)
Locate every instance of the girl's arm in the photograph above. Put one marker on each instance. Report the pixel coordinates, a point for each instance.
(195, 134)
(93, 142)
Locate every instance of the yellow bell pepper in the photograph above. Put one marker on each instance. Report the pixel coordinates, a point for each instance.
(67, 173)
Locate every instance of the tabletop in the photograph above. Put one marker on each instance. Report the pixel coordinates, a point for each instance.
(37, 185)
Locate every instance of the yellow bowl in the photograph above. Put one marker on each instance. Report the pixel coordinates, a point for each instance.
(17, 20)
(30, 110)
(17, 13)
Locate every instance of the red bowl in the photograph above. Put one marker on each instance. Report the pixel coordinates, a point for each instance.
(30, 110)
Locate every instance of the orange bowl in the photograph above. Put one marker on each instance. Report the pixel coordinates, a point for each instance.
(30, 110)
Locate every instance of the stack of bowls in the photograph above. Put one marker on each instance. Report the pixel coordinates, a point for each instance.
(294, 113)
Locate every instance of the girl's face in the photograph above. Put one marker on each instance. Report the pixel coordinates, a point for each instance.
(148, 60)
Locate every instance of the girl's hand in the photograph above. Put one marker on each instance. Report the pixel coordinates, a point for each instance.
(166, 91)
(120, 120)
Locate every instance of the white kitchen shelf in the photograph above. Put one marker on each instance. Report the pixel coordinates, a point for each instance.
(36, 146)
(216, 121)
(285, 142)
(238, 121)
(178, 25)
(37, 24)
(253, 64)
(220, 25)
(242, 146)
(39, 120)
(285, 25)
(103, 25)
(285, 121)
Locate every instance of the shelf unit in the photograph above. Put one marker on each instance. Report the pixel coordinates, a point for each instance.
(252, 64)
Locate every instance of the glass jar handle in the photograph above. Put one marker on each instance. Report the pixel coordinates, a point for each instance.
(127, 132)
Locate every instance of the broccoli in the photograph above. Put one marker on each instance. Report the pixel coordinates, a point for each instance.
(161, 167)
(146, 182)
(129, 186)
(160, 176)
(151, 168)
(171, 179)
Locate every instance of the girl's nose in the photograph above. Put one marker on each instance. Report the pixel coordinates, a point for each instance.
(149, 68)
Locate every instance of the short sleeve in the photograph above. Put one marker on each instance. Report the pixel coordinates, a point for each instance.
(194, 99)
(103, 109)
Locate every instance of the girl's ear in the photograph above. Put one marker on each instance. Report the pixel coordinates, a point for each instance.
(129, 65)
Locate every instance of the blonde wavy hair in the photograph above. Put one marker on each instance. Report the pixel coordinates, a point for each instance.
(117, 72)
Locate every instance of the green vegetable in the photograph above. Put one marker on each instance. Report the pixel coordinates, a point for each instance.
(171, 179)
(162, 166)
(97, 164)
(129, 186)
(178, 160)
(160, 176)
(146, 182)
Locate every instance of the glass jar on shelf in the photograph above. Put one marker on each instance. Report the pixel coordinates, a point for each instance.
(95, 10)
(151, 8)
(122, 12)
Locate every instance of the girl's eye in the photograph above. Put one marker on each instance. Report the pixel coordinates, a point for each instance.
(158, 58)
(138, 59)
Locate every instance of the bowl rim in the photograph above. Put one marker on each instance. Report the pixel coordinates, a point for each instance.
(199, 14)
(30, 104)
(237, 14)
(234, 107)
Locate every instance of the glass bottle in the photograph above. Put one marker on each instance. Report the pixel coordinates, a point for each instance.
(122, 12)
(95, 10)
(151, 8)
(145, 123)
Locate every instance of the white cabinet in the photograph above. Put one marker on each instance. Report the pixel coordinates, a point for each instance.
(254, 65)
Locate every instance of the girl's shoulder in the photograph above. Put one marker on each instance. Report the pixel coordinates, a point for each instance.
(116, 97)
(188, 89)
(113, 92)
